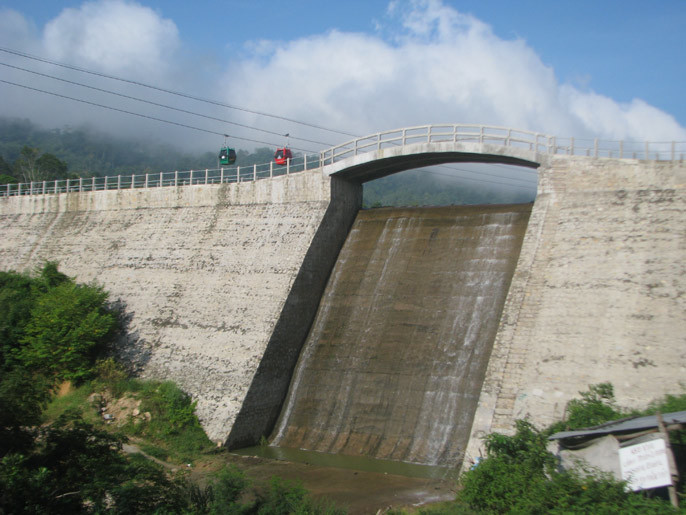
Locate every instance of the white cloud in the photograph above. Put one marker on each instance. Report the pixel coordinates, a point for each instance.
(116, 36)
(635, 120)
(427, 63)
(433, 65)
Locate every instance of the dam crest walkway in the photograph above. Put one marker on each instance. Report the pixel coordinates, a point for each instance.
(381, 154)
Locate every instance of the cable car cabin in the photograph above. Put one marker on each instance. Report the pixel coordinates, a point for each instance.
(282, 155)
(227, 156)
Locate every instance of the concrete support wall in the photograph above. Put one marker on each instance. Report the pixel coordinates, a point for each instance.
(599, 293)
(204, 272)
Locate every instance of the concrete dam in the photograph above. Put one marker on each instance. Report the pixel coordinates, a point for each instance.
(403, 334)
(393, 365)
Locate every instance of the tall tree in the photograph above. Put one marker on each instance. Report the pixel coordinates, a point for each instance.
(50, 167)
(27, 164)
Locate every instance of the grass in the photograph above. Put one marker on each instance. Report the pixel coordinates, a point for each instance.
(71, 398)
(172, 432)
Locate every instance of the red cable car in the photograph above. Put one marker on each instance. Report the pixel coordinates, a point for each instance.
(282, 155)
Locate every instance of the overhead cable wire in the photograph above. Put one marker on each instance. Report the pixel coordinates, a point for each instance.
(525, 169)
(160, 105)
(171, 92)
(145, 116)
(485, 173)
(478, 180)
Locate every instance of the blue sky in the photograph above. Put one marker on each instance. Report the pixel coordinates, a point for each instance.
(610, 69)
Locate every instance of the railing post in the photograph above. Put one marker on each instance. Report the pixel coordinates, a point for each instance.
(147, 175)
(238, 174)
(271, 169)
(176, 178)
(305, 161)
(572, 146)
(93, 183)
(31, 188)
(221, 175)
(205, 176)
(118, 182)
(133, 181)
(44, 184)
(8, 190)
(191, 178)
(19, 190)
(80, 184)
(161, 179)
(55, 186)
(288, 166)
(254, 172)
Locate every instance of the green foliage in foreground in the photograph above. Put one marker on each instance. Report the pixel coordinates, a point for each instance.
(51, 326)
(173, 424)
(519, 475)
(52, 329)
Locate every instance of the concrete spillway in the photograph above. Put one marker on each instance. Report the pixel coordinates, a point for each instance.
(394, 362)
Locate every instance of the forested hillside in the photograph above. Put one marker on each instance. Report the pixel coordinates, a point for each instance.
(30, 153)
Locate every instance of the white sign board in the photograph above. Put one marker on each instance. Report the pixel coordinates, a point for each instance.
(645, 465)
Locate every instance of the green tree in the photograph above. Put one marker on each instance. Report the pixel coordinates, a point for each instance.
(74, 467)
(68, 329)
(518, 475)
(50, 168)
(22, 397)
(27, 164)
(596, 406)
(5, 169)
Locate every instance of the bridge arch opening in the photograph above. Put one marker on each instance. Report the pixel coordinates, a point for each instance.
(453, 183)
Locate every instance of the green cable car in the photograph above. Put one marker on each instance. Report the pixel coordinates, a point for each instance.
(227, 156)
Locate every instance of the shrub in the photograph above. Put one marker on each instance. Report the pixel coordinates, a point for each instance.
(519, 476)
(68, 328)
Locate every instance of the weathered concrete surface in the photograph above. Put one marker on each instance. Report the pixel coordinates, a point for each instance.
(394, 363)
(599, 293)
(204, 272)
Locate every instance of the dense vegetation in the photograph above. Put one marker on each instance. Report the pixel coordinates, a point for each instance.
(29, 153)
(59, 454)
(519, 475)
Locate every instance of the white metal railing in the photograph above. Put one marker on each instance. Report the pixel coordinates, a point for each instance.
(161, 179)
(503, 136)
(483, 134)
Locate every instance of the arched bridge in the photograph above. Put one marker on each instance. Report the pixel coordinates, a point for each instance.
(384, 153)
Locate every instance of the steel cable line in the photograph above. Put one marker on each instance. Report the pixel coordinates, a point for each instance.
(146, 116)
(485, 173)
(160, 105)
(237, 137)
(479, 180)
(218, 119)
(171, 92)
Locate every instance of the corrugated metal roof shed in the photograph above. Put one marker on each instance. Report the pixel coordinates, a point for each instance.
(624, 426)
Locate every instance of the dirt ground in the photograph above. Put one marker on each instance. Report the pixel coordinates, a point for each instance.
(359, 492)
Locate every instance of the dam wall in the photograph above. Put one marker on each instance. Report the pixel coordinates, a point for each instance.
(220, 284)
(394, 363)
(598, 295)
(211, 277)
